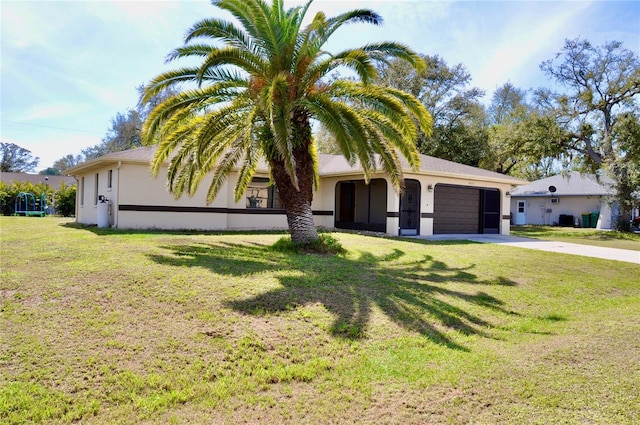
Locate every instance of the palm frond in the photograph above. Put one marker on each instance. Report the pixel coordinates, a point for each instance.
(384, 50)
(179, 128)
(392, 138)
(252, 153)
(221, 122)
(223, 167)
(350, 17)
(254, 17)
(194, 100)
(315, 160)
(391, 102)
(232, 56)
(200, 50)
(358, 61)
(225, 32)
(171, 79)
(326, 112)
(355, 127)
(168, 79)
(416, 107)
(387, 155)
(177, 172)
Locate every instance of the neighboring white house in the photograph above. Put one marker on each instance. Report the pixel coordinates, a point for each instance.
(441, 197)
(563, 200)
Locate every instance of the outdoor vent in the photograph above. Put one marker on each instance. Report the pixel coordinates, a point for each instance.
(555, 200)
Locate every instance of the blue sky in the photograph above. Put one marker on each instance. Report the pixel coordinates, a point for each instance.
(67, 67)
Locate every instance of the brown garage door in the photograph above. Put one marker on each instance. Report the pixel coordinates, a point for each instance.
(456, 209)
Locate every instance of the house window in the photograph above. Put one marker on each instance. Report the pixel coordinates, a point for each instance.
(81, 190)
(95, 192)
(110, 179)
(262, 194)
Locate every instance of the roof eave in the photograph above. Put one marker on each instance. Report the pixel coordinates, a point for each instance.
(555, 195)
(509, 181)
(101, 162)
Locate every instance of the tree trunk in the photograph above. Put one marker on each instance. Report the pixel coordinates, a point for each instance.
(301, 226)
(297, 202)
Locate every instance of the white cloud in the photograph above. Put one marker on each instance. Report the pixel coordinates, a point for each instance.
(529, 34)
(51, 111)
(18, 21)
(143, 11)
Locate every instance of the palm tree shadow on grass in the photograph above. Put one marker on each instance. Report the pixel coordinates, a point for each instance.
(413, 294)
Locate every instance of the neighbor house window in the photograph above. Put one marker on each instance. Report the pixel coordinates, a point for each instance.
(262, 194)
(81, 190)
(110, 179)
(95, 192)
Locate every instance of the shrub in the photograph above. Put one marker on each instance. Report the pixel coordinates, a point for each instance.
(9, 192)
(65, 200)
(325, 244)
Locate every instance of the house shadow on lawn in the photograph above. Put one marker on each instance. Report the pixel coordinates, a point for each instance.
(413, 294)
(110, 231)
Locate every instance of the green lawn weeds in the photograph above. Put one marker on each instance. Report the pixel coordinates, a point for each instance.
(103, 326)
(584, 236)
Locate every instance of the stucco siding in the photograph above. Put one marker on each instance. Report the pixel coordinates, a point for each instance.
(541, 211)
(171, 220)
(138, 200)
(92, 185)
(140, 188)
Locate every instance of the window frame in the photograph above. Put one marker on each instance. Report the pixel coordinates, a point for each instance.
(82, 185)
(261, 193)
(96, 187)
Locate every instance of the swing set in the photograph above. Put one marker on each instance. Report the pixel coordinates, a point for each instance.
(29, 205)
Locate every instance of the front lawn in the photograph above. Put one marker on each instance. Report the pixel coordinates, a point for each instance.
(604, 238)
(105, 326)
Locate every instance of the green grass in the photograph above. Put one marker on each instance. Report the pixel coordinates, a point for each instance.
(103, 326)
(604, 238)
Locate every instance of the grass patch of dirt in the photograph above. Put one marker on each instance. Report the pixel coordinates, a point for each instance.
(105, 326)
(586, 236)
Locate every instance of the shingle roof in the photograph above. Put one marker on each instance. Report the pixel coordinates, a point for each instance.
(441, 166)
(329, 165)
(573, 184)
(337, 165)
(138, 155)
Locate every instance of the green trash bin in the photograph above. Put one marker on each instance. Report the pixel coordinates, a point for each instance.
(586, 220)
(593, 219)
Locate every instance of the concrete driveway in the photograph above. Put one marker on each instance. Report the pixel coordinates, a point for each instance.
(626, 255)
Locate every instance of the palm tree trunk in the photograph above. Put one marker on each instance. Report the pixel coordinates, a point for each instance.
(301, 225)
(297, 202)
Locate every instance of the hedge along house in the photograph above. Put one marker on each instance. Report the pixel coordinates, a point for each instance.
(563, 200)
(441, 197)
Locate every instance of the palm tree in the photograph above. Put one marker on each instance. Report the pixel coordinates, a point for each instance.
(261, 83)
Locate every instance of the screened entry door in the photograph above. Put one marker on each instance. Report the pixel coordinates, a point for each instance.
(490, 210)
(410, 208)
